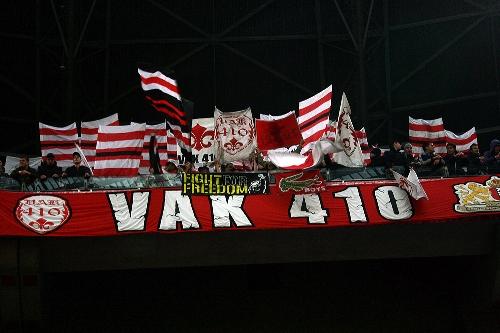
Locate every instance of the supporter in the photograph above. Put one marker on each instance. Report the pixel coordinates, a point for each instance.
(475, 162)
(229, 167)
(24, 174)
(77, 170)
(49, 168)
(455, 161)
(154, 156)
(204, 169)
(393, 158)
(171, 168)
(411, 161)
(186, 167)
(492, 157)
(432, 163)
(376, 158)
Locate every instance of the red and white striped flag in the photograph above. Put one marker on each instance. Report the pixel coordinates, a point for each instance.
(88, 135)
(462, 141)
(160, 133)
(365, 147)
(59, 141)
(119, 150)
(422, 131)
(163, 93)
(314, 113)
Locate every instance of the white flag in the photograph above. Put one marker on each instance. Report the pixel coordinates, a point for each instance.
(411, 184)
(234, 135)
(345, 138)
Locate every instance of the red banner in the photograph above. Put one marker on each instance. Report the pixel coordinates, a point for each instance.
(166, 210)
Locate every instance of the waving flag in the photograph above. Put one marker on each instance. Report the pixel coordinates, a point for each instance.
(163, 93)
(314, 114)
(59, 141)
(287, 160)
(411, 184)
(88, 135)
(422, 131)
(277, 133)
(119, 150)
(346, 139)
(462, 141)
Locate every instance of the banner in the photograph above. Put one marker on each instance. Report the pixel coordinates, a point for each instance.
(225, 183)
(234, 135)
(301, 182)
(362, 203)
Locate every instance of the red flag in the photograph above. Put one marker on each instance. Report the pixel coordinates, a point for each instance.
(273, 134)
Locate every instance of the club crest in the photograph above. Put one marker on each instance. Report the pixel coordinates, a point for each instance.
(235, 133)
(476, 197)
(42, 213)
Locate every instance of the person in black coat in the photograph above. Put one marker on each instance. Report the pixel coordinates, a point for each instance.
(154, 157)
(49, 168)
(77, 170)
(24, 174)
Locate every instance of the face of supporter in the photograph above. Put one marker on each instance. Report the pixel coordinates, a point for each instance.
(77, 159)
(408, 150)
(450, 150)
(50, 160)
(397, 146)
(23, 162)
(430, 148)
(474, 149)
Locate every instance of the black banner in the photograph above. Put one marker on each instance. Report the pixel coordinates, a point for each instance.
(225, 183)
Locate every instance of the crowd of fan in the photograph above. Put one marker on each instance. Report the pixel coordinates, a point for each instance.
(429, 164)
(399, 155)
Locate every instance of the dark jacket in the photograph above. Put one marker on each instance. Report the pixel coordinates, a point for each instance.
(72, 171)
(393, 157)
(24, 179)
(474, 165)
(48, 170)
(455, 164)
(376, 158)
(490, 160)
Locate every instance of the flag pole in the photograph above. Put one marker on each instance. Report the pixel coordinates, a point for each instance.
(84, 159)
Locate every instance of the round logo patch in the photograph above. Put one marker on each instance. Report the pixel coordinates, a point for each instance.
(42, 213)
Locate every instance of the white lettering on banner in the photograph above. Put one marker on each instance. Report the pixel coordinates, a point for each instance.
(354, 204)
(126, 219)
(223, 209)
(308, 205)
(177, 208)
(393, 203)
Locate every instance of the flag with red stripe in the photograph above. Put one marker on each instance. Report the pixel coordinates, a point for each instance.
(88, 135)
(365, 147)
(462, 141)
(314, 114)
(163, 94)
(119, 150)
(422, 131)
(59, 141)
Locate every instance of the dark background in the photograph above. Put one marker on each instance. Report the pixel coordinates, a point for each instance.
(68, 60)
